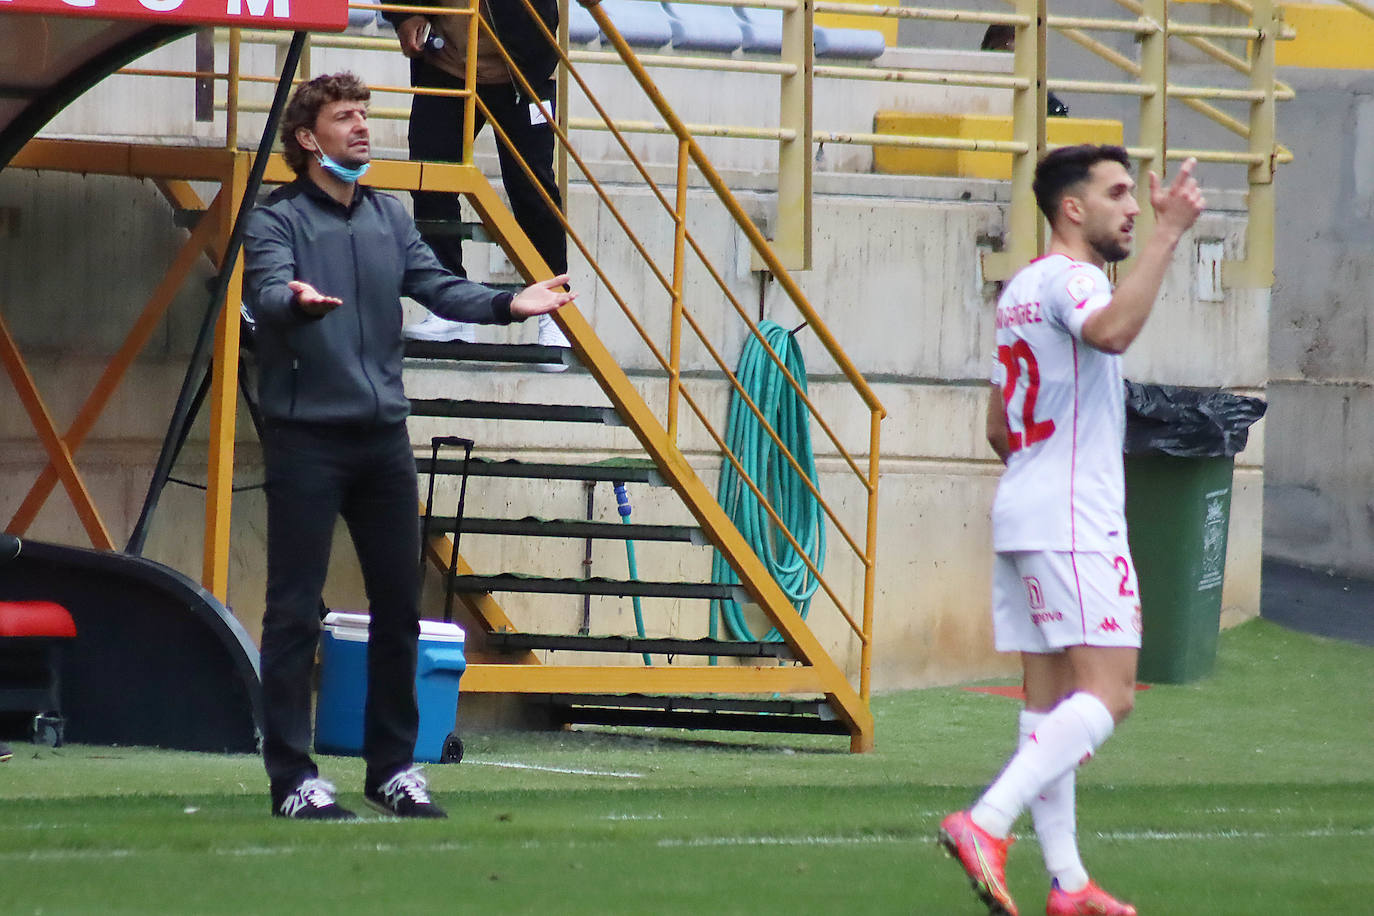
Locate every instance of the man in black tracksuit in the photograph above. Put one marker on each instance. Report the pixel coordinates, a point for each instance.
(326, 263)
(436, 122)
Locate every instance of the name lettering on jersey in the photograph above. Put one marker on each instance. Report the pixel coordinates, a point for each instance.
(1017, 314)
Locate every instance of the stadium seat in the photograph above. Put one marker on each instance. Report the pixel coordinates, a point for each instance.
(855, 44)
(361, 19)
(762, 34)
(582, 29)
(642, 23)
(703, 28)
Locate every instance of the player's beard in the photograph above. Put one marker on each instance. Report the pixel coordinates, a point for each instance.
(1109, 247)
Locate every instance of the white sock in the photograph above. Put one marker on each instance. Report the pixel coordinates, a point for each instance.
(1067, 736)
(1053, 812)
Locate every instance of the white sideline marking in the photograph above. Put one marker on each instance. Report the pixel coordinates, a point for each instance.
(63, 855)
(781, 841)
(510, 764)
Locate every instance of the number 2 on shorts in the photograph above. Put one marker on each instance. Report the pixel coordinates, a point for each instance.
(1123, 566)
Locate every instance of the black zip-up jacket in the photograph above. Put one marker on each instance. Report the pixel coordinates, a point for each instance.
(344, 366)
(532, 54)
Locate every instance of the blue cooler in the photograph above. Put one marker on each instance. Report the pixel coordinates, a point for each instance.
(343, 687)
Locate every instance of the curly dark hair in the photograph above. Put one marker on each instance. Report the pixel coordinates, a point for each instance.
(304, 109)
(1067, 166)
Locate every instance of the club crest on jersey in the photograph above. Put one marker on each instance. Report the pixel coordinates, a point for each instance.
(1080, 287)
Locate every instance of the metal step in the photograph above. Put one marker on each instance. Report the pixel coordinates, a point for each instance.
(520, 642)
(460, 351)
(530, 526)
(506, 410)
(596, 585)
(472, 232)
(618, 470)
(806, 717)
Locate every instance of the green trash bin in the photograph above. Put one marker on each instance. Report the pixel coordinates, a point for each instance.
(1177, 512)
(1180, 452)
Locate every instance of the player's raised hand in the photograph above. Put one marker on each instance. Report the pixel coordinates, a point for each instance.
(1181, 203)
(311, 300)
(541, 298)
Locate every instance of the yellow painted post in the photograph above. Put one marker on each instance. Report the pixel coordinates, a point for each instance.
(1154, 110)
(231, 98)
(470, 83)
(224, 391)
(675, 328)
(792, 234)
(870, 557)
(1257, 270)
(1025, 226)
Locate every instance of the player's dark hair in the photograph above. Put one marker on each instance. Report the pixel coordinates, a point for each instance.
(1065, 167)
(304, 110)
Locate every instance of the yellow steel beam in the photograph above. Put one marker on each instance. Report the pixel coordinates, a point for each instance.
(224, 391)
(137, 339)
(57, 451)
(667, 679)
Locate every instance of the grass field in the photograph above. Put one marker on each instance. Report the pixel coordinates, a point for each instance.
(1249, 793)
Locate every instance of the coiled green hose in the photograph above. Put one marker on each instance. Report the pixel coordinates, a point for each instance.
(771, 472)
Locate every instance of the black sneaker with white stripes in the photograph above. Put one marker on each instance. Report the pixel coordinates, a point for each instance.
(311, 800)
(405, 794)
(5, 752)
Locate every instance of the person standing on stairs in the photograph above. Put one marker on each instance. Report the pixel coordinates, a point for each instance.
(326, 261)
(438, 52)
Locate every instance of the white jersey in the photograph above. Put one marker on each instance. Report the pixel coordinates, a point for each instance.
(1063, 488)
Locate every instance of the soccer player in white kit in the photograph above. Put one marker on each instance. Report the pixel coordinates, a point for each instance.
(1064, 586)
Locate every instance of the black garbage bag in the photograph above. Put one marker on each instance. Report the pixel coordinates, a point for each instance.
(1188, 422)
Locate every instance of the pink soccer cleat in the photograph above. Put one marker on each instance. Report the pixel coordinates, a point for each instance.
(1090, 901)
(983, 858)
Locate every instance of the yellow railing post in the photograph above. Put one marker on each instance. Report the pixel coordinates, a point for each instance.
(1154, 108)
(231, 104)
(1257, 270)
(870, 558)
(1025, 227)
(792, 234)
(224, 391)
(470, 82)
(679, 253)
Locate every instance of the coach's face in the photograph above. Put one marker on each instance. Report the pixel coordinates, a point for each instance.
(1107, 210)
(341, 133)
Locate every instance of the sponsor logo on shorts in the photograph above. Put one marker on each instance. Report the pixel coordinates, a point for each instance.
(1034, 596)
(1046, 617)
(1109, 625)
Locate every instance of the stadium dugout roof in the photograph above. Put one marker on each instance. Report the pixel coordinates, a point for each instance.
(51, 51)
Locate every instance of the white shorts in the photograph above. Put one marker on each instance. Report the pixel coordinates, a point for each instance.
(1043, 601)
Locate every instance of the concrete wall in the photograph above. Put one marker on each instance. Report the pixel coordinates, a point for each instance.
(896, 276)
(1319, 499)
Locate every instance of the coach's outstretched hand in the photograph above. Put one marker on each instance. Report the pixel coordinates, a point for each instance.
(541, 298)
(1179, 205)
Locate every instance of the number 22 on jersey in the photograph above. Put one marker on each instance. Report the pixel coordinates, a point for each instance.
(1013, 358)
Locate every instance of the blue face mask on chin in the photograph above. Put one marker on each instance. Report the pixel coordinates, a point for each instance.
(343, 172)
